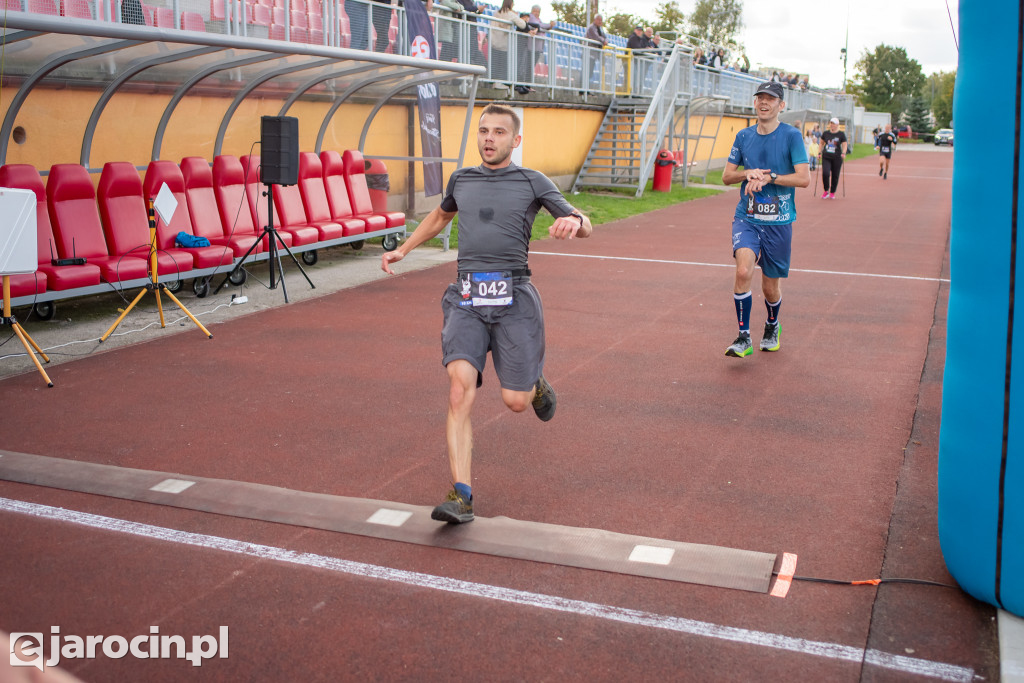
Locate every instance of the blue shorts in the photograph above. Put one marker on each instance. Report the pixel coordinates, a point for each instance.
(771, 243)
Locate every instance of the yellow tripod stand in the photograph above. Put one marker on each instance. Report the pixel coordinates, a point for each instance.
(22, 334)
(154, 286)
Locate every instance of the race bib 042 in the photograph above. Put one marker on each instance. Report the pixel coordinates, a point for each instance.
(486, 289)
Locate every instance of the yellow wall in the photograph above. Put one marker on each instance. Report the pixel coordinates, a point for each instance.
(555, 141)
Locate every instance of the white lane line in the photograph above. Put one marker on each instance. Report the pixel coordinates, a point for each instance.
(946, 672)
(732, 265)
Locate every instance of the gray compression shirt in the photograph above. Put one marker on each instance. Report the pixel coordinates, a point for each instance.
(496, 209)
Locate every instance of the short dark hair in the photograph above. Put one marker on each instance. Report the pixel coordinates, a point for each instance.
(501, 110)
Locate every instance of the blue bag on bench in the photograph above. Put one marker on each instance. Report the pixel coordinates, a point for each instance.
(186, 240)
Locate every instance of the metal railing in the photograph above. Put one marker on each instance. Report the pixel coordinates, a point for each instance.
(559, 61)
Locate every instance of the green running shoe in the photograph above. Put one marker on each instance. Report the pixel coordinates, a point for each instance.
(544, 400)
(454, 510)
(740, 348)
(770, 341)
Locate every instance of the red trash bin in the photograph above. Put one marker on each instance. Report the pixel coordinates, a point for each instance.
(663, 167)
(378, 183)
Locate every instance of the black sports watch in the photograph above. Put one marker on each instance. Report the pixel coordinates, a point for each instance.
(773, 175)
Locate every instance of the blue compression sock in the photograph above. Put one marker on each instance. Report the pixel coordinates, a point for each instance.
(773, 311)
(743, 302)
(464, 490)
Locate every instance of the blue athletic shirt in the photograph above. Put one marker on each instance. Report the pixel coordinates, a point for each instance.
(780, 151)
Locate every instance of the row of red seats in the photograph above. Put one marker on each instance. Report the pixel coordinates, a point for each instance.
(109, 226)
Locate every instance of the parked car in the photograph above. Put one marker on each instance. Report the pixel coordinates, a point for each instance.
(905, 132)
(944, 136)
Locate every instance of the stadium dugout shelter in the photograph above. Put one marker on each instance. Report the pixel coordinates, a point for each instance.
(92, 92)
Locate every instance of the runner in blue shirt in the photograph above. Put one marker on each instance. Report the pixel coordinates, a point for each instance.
(774, 162)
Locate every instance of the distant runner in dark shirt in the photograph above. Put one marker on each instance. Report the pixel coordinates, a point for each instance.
(886, 144)
(832, 151)
(492, 306)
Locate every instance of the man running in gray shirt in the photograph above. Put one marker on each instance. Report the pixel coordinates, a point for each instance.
(492, 306)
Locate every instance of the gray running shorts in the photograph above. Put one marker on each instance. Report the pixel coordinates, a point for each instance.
(514, 335)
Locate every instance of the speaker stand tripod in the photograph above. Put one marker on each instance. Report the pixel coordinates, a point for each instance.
(275, 253)
(154, 286)
(8, 319)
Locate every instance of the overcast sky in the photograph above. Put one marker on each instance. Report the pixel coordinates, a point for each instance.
(800, 36)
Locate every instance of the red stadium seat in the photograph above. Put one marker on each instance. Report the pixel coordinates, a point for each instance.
(26, 177)
(299, 34)
(10, 5)
(159, 173)
(193, 21)
(203, 210)
(163, 17)
(126, 219)
(392, 33)
(314, 197)
(298, 19)
(218, 10)
(288, 202)
(359, 194)
(254, 190)
(230, 189)
(43, 7)
(261, 15)
(79, 9)
(71, 199)
(337, 194)
(344, 29)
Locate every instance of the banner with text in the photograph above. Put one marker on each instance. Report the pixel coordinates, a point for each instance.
(428, 98)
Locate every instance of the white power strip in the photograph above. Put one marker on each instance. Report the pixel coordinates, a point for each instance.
(238, 299)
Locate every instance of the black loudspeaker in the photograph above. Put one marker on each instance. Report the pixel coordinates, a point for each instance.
(279, 158)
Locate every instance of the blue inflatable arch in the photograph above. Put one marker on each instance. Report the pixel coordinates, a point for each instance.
(981, 445)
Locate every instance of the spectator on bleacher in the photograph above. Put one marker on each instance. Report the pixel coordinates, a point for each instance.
(794, 81)
(596, 33)
(541, 27)
(652, 40)
(776, 78)
(380, 15)
(499, 40)
(359, 21)
(717, 59)
(131, 12)
(460, 9)
(524, 50)
(535, 20)
(637, 41)
(698, 57)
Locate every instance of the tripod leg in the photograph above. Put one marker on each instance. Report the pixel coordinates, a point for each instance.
(160, 308)
(25, 335)
(22, 335)
(301, 269)
(815, 190)
(121, 317)
(189, 314)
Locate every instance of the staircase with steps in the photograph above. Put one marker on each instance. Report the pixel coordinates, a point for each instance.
(614, 160)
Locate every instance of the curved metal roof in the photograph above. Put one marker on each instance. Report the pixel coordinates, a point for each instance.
(42, 50)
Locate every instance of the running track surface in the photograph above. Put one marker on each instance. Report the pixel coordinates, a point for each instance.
(826, 449)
